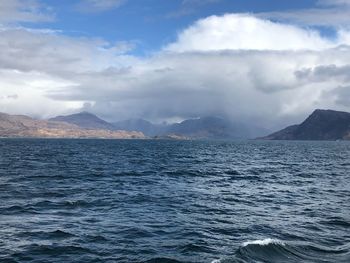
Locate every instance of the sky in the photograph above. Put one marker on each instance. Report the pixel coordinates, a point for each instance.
(267, 62)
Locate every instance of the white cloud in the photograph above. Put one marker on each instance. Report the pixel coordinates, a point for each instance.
(188, 7)
(53, 52)
(34, 63)
(260, 86)
(244, 32)
(26, 93)
(333, 2)
(278, 82)
(23, 11)
(93, 6)
(326, 13)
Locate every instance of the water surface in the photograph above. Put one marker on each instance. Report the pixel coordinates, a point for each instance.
(174, 201)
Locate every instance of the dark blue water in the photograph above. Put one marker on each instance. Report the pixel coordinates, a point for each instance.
(174, 201)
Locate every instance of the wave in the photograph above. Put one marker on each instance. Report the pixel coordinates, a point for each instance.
(275, 251)
(264, 242)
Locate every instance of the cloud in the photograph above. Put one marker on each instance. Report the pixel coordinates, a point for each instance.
(248, 74)
(333, 2)
(25, 93)
(259, 86)
(342, 95)
(246, 32)
(95, 6)
(324, 73)
(51, 52)
(198, 2)
(188, 7)
(326, 13)
(24, 11)
(34, 63)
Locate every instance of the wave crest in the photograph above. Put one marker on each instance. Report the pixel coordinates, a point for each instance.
(264, 242)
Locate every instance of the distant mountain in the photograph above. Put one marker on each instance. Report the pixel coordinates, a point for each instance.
(320, 125)
(146, 127)
(208, 127)
(24, 126)
(204, 127)
(85, 120)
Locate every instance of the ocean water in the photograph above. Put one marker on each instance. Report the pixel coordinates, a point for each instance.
(174, 201)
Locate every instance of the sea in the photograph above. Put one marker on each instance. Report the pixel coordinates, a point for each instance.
(168, 201)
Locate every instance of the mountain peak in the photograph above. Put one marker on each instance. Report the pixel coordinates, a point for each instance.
(85, 120)
(322, 111)
(320, 125)
(82, 114)
(324, 116)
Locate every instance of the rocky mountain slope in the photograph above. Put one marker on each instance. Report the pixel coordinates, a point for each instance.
(24, 126)
(85, 120)
(320, 125)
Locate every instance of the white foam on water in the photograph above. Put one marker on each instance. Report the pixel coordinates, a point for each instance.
(264, 242)
(216, 261)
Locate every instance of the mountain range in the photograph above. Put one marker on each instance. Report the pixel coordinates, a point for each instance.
(85, 124)
(24, 126)
(209, 127)
(320, 125)
(205, 127)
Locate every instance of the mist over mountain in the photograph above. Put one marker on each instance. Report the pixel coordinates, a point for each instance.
(144, 126)
(209, 127)
(204, 127)
(320, 125)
